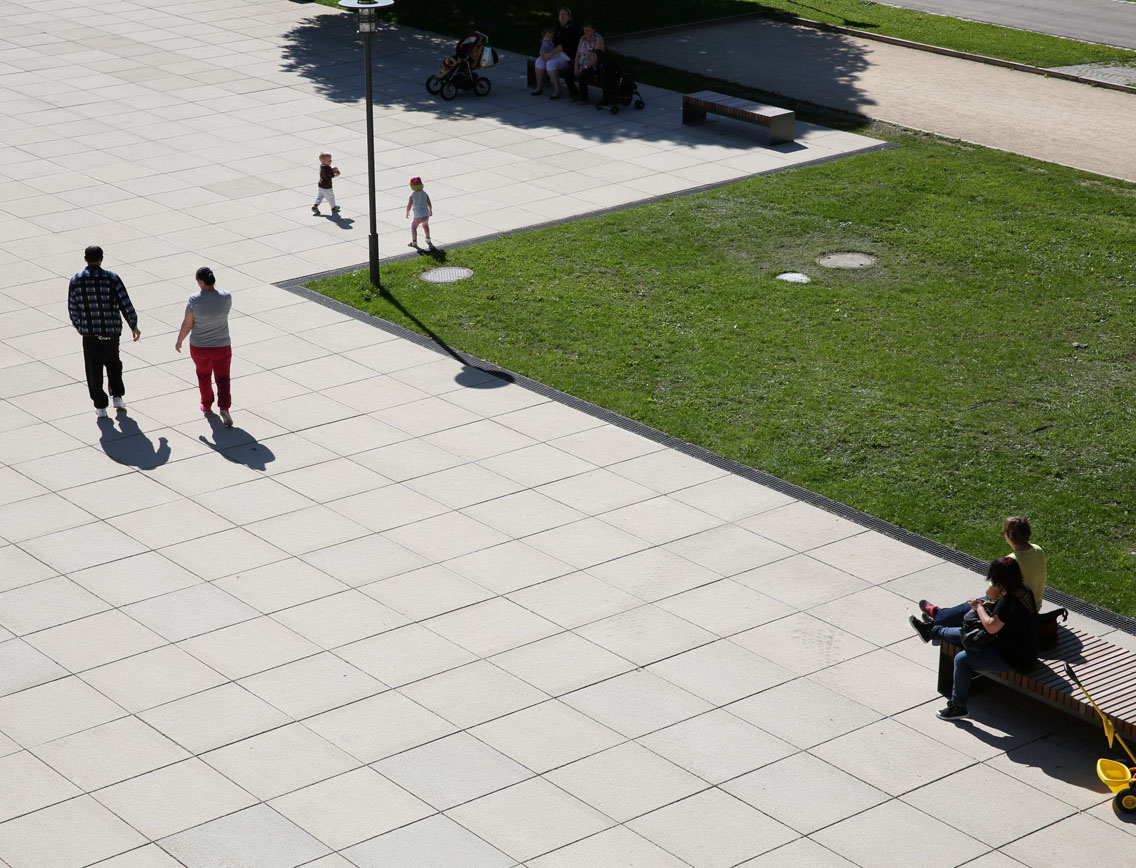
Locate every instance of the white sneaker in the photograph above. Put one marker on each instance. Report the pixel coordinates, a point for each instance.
(101, 412)
(226, 418)
(119, 404)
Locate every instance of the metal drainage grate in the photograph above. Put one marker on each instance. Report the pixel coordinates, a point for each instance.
(446, 274)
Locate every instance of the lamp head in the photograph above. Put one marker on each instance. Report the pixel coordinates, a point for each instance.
(367, 10)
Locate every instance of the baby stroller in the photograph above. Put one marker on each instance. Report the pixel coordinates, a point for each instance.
(459, 70)
(618, 88)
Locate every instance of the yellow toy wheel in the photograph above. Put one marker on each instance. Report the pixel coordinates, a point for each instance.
(1126, 800)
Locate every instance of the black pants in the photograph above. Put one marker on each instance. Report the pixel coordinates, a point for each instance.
(582, 80)
(99, 353)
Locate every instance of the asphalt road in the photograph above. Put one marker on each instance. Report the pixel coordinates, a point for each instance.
(1111, 22)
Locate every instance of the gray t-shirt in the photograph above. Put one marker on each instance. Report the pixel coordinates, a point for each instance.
(210, 311)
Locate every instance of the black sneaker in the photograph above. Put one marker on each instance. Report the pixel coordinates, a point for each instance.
(953, 712)
(929, 610)
(924, 630)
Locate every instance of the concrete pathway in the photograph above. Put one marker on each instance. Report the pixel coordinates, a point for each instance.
(404, 615)
(1056, 121)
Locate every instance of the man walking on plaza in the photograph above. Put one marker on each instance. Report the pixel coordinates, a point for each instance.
(97, 302)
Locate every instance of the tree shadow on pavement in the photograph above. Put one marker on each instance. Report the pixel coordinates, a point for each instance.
(327, 50)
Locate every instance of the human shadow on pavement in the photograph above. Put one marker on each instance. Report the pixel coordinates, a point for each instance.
(470, 376)
(127, 445)
(237, 445)
(800, 63)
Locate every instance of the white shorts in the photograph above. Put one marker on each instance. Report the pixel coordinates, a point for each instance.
(553, 63)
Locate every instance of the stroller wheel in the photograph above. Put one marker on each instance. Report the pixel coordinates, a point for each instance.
(449, 90)
(639, 104)
(433, 84)
(600, 106)
(1126, 800)
(615, 109)
(482, 86)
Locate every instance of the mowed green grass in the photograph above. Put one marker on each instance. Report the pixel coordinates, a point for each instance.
(984, 367)
(516, 25)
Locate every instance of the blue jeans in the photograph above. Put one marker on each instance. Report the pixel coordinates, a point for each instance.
(950, 616)
(968, 662)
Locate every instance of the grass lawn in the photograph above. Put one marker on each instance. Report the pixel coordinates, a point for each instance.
(984, 367)
(516, 25)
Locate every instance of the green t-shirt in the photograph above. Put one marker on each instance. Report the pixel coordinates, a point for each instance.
(1032, 562)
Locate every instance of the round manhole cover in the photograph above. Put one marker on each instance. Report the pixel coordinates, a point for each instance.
(446, 274)
(794, 277)
(847, 260)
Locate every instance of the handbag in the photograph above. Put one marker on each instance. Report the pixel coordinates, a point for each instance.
(972, 634)
(1047, 628)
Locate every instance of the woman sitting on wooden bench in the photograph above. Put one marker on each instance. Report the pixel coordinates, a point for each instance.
(1006, 638)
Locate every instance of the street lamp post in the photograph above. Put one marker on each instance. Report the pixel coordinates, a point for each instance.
(367, 10)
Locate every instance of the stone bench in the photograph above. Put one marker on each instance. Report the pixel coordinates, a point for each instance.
(781, 122)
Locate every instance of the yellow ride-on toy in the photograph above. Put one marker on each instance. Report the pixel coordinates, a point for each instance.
(1119, 778)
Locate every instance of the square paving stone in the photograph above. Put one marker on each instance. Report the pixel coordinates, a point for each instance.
(874, 557)
(351, 807)
(801, 581)
(726, 607)
(636, 703)
(406, 654)
(546, 736)
(626, 781)
(251, 838)
(473, 694)
(894, 835)
(41, 714)
(27, 784)
(249, 647)
(492, 626)
(174, 798)
(819, 714)
(452, 770)
(152, 678)
(22, 666)
(717, 746)
(436, 842)
(339, 619)
(68, 835)
(110, 753)
(214, 718)
(575, 599)
(1026, 809)
(804, 793)
(530, 818)
(379, 726)
(803, 643)
(280, 760)
(712, 830)
(870, 754)
(562, 663)
(311, 685)
(508, 567)
(721, 672)
(426, 592)
(618, 847)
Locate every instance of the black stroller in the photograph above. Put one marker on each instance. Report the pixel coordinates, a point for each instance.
(459, 70)
(618, 87)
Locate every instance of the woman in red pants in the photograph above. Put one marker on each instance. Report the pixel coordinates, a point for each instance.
(207, 324)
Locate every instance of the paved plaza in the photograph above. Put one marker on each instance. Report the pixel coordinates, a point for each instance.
(406, 614)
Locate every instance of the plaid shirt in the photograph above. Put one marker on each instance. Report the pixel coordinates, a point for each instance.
(94, 300)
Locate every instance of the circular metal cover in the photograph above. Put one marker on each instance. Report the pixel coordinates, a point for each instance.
(847, 260)
(794, 277)
(446, 274)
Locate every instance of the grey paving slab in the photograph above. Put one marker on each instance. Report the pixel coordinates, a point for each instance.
(398, 616)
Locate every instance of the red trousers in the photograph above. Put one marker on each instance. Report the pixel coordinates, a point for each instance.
(213, 363)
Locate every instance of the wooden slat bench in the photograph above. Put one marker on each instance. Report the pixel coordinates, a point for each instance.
(1107, 671)
(781, 122)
